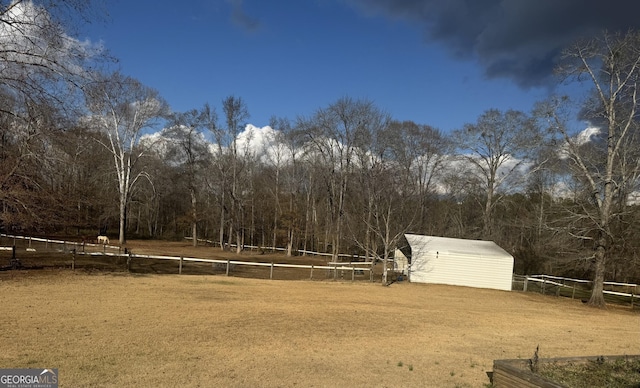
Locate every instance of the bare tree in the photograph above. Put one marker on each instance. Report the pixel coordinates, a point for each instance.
(189, 150)
(606, 165)
(279, 155)
(235, 114)
(420, 152)
(333, 135)
(496, 149)
(78, 172)
(40, 62)
(388, 201)
(121, 109)
(294, 181)
(25, 161)
(38, 56)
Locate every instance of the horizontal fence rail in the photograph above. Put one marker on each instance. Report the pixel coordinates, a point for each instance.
(229, 263)
(563, 286)
(79, 249)
(64, 244)
(301, 251)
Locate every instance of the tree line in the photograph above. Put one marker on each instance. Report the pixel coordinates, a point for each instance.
(85, 150)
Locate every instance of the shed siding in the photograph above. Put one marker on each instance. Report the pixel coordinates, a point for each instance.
(443, 261)
(400, 262)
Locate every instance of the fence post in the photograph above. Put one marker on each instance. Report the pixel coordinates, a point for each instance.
(180, 268)
(228, 262)
(353, 273)
(311, 277)
(271, 272)
(632, 296)
(15, 262)
(526, 281)
(544, 284)
(573, 293)
(335, 271)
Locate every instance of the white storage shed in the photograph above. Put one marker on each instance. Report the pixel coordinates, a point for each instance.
(459, 262)
(400, 262)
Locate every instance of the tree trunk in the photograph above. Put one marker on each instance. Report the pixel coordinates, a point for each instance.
(222, 222)
(232, 220)
(123, 219)
(290, 228)
(384, 272)
(276, 208)
(239, 240)
(367, 238)
(487, 219)
(307, 223)
(194, 218)
(597, 296)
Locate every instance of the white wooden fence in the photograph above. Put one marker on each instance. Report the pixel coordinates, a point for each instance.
(301, 251)
(335, 268)
(64, 246)
(115, 251)
(547, 282)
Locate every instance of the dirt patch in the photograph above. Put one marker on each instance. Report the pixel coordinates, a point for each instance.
(116, 330)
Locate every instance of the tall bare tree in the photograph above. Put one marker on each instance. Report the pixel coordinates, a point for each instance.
(121, 108)
(189, 150)
(277, 156)
(496, 149)
(607, 164)
(420, 152)
(41, 63)
(235, 113)
(26, 159)
(39, 57)
(333, 134)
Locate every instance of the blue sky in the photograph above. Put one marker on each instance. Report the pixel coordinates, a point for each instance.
(289, 58)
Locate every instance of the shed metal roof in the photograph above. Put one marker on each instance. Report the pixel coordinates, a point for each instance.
(455, 245)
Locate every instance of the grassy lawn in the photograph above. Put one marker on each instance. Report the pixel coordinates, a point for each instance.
(117, 329)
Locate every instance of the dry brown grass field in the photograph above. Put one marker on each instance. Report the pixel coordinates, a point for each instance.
(115, 329)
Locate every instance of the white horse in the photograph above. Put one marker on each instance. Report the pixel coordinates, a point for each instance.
(103, 240)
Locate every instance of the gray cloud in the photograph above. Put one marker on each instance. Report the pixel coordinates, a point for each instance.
(240, 18)
(517, 39)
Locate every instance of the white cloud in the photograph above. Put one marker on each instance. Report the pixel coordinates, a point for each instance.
(260, 142)
(157, 142)
(510, 174)
(585, 136)
(30, 37)
(255, 139)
